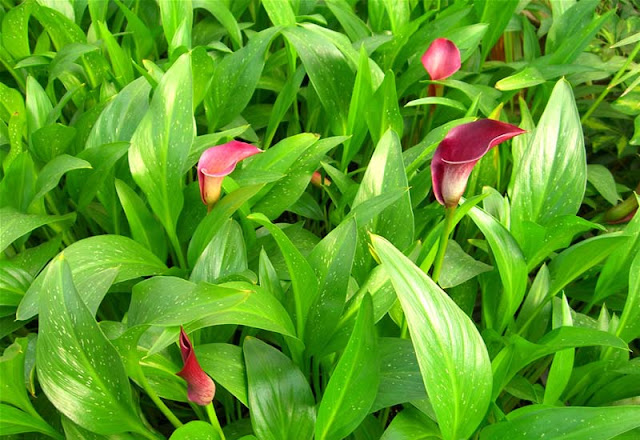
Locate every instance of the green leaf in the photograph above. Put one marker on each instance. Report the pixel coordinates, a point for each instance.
(332, 260)
(614, 275)
(12, 388)
(16, 224)
(452, 356)
(562, 365)
(222, 13)
(459, 267)
(328, 71)
(237, 76)
(38, 105)
(354, 27)
(400, 379)
(552, 176)
(568, 423)
(437, 101)
(53, 171)
(279, 12)
(226, 254)
(382, 111)
(92, 259)
(602, 180)
(303, 279)
(161, 143)
(354, 382)
(77, 363)
(411, 424)
(212, 223)
(289, 189)
(225, 364)
(145, 228)
(519, 352)
(15, 30)
(62, 31)
(576, 260)
(195, 430)
(14, 421)
(385, 173)
(121, 63)
(177, 22)
(51, 141)
(497, 16)
(511, 266)
(169, 301)
(280, 400)
(629, 326)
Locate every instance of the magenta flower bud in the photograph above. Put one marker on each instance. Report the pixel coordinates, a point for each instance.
(442, 59)
(458, 153)
(200, 387)
(217, 162)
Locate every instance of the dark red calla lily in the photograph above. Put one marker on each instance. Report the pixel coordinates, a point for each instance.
(217, 162)
(200, 387)
(458, 153)
(442, 59)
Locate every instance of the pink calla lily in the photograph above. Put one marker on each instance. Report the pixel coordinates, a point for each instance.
(200, 387)
(217, 162)
(442, 59)
(458, 153)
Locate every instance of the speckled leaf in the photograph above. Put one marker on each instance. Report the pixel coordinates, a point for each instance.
(160, 145)
(331, 259)
(328, 71)
(568, 423)
(511, 266)
(170, 301)
(15, 224)
(225, 364)
(90, 259)
(400, 379)
(237, 77)
(354, 382)
(77, 363)
(552, 176)
(452, 356)
(303, 278)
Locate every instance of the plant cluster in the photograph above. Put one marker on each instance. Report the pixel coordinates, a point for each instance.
(319, 219)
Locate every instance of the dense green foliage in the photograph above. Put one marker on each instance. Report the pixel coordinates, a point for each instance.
(358, 307)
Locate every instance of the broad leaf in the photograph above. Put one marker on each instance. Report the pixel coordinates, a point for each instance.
(452, 356)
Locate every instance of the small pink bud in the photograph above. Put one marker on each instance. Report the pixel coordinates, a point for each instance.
(217, 162)
(442, 59)
(459, 152)
(200, 387)
(316, 180)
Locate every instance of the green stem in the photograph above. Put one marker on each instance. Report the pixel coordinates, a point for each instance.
(176, 246)
(211, 412)
(606, 91)
(444, 239)
(164, 409)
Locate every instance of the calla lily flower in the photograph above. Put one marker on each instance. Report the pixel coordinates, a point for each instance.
(458, 153)
(442, 59)
(217, 162)
(200, 387)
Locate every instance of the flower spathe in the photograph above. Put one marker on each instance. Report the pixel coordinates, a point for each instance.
(200, 387)
(458, 153)
(217, 162)
(442, 59)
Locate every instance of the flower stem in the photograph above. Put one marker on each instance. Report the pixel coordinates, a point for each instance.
(164, 409)
(444, 239)
(211, 412)
(606, 91)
